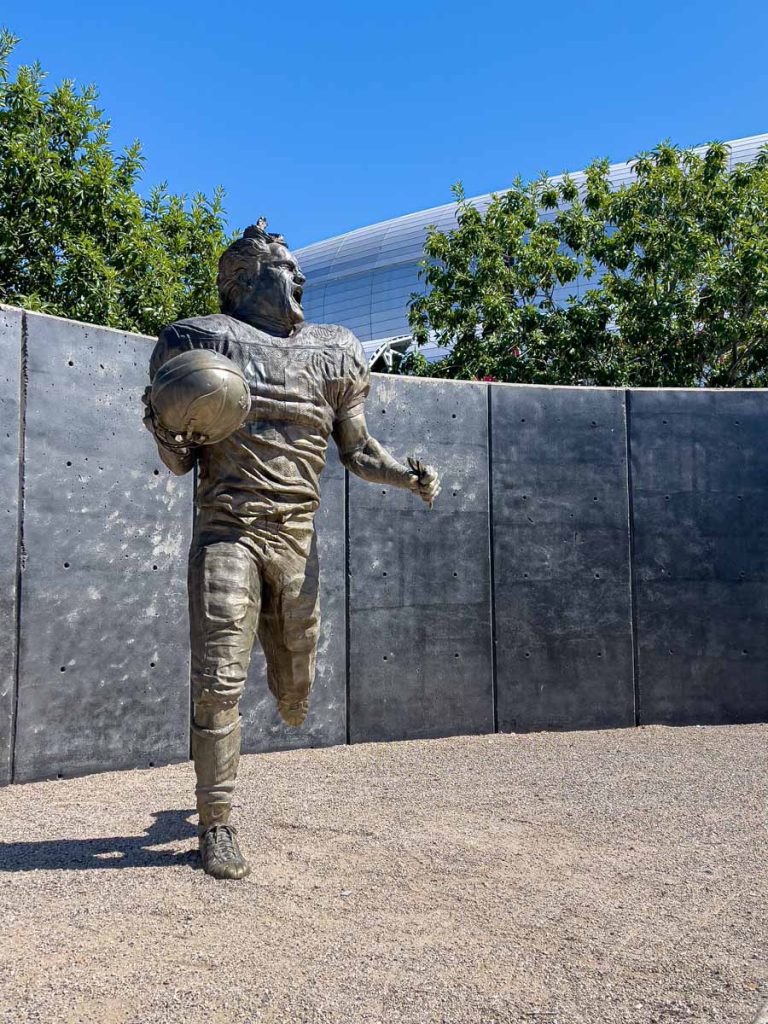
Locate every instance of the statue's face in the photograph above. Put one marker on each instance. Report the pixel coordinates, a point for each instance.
(275, 299)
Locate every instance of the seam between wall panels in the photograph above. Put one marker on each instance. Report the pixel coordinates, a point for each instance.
(347, 615)
(631, 533)
(190, 702)
(491, 557)
(21, 555)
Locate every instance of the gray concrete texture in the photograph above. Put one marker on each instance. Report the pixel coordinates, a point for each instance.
(420, 654)
(103, 663)
(11, 323)
(561, 558)
(596, 558)
(700, 494)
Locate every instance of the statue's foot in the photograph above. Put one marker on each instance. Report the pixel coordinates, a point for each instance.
(221, 854)
(293, 712)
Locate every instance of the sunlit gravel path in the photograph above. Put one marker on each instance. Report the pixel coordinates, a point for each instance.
(572, 878)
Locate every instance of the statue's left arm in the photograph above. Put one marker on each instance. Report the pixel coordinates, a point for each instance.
(362, 455)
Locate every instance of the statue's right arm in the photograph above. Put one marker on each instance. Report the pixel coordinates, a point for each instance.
(173, 340)
(178, 460)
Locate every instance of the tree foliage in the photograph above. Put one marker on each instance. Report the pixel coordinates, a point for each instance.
(660, 282)
(76, 237)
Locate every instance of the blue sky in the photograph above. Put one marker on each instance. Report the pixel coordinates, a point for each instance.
(329, 116)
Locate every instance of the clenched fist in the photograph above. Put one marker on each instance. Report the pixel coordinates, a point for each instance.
(427, 481)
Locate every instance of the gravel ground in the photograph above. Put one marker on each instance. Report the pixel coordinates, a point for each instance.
(572, 878)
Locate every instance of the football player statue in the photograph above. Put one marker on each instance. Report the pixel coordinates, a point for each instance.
(252, 563)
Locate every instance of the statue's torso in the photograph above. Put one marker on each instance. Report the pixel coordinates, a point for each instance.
(299, 386)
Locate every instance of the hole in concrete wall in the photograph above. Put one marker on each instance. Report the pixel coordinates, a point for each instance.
(599, 654)
(71, 363)
(455, 574)
(745, 652)
(156, 472)
(453, 415)
(63, 668)
(151, 764)
(66, 565)
(383, 574)
(597, 575)
(69, 463)
(154, 568)
(594, 423)
(59, 775)
(523, 420)
(595, 498)
(456, 654)
(152, 664)
(527, 654)
(385, 657)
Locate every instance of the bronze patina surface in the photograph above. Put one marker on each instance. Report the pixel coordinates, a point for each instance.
(253, 564)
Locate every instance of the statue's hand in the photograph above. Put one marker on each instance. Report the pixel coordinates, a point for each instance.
(149, 416)
(175, 442)
(426, 480)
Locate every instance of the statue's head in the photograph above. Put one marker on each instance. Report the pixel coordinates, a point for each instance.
(260, 281)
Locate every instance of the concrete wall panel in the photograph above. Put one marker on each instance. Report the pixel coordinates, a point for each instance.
(700, 492)
(561, 558)
(326, 723)
(419, 583)
(104, 666)
(10, 382)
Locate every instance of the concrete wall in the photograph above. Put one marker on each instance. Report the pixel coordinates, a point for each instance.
(102, 665)
(597, 558)
(11, 377)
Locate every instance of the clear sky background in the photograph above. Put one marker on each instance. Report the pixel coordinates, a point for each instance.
(327, 116)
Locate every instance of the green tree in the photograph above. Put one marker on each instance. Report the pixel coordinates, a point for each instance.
(76, 238)
(673, 273)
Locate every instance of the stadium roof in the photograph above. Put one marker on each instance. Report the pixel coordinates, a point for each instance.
(363, 279)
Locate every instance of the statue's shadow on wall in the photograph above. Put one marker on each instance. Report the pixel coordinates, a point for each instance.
(112, 852)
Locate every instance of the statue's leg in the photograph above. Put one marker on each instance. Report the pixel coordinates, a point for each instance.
(224, 599)
(289, 625)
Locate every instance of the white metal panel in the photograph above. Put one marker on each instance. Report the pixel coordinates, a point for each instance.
(367, 276)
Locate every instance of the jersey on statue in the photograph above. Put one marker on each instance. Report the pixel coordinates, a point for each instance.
(253, 564)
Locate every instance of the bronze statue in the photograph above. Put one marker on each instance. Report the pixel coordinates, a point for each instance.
(252, 563)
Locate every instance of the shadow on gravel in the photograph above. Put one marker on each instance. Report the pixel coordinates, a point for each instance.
(113, 852)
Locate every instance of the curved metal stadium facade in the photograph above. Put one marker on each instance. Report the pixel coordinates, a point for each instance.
(364, 278)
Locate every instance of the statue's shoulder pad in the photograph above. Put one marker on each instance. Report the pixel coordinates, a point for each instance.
(335, 336)
(215, 325)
